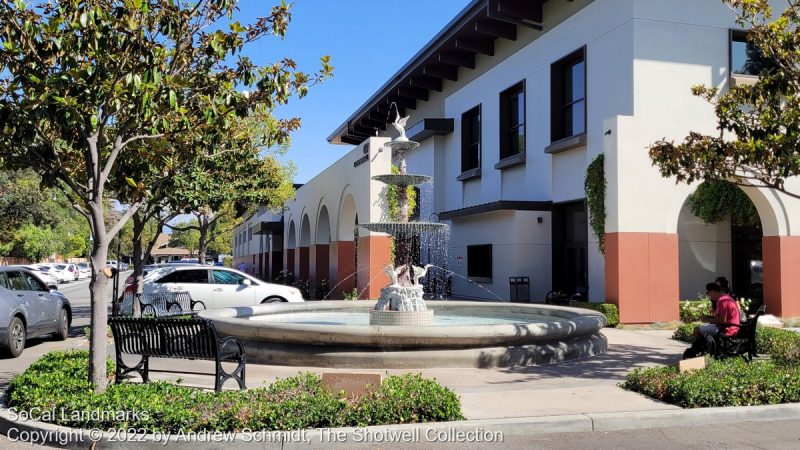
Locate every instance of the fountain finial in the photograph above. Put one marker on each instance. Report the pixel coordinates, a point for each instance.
(399, 124)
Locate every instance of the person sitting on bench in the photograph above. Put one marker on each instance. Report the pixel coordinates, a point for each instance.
(726, 320)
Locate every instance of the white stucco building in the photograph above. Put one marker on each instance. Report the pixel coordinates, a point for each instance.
(511, 102)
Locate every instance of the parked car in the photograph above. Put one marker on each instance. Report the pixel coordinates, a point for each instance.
(45, 274)
(123, 266)
(216, 287)
(73, 271)
(60, 272)
(84, 271)
(29, 308)
(112, 264)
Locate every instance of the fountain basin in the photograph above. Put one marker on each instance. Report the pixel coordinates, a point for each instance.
(402, 180)
(403, 229)
(527, 334)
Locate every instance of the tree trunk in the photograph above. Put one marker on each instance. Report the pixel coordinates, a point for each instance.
(138, 263)
(98, 289)
(202, 243)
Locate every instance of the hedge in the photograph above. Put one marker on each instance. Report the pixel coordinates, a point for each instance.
(59, 382)
(608, 309)
(783, 346)
(731, 382)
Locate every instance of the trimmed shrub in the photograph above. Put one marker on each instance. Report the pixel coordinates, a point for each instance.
(58, 382)
(608, 309)
(783, 346)
(730, 382)
(694, 310)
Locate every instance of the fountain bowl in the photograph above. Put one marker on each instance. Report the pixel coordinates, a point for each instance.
(402, 180)
(402, 228)
(493, 334)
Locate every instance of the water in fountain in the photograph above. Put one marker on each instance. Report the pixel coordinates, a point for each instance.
(342, 281)
(450, 272)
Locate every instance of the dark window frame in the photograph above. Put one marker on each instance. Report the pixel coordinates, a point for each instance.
(736, 35)
(209, 279)
(473, 272)
(506, 128)
(557, 101)
(468, 146)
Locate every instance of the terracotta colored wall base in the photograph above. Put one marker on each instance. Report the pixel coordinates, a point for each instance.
(346, 262)
(781, 256)
(642, 276)
(321, 262)
(290, 261)
(374, 253)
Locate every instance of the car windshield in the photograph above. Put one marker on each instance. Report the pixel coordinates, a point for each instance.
(60, 267)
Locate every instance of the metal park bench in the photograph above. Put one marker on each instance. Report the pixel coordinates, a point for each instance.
(167, 304)
(193, 338)
(743, 343)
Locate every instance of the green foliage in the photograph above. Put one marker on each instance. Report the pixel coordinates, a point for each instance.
(717, 200)
(694, 310)
(758, 123)
(58, 380)
(391, 199)
(595, 187)
(227, 261)
(609, 310)
(352, 295)
(783, 346)
(731, 382)
(188, 238)
(685, 332)
(35, 243)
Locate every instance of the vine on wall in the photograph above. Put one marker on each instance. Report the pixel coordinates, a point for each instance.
(717, 200)
(595, 187)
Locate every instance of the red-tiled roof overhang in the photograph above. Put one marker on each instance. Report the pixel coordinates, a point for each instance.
(473, 31)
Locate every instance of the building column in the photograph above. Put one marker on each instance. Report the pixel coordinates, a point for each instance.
(302, 272)
(781, 255)
(642, 276)
(321, 262)
(374, 254)
(346, 266)
(290, 260)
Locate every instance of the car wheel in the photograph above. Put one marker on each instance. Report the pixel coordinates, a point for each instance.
(16, 338)
(273, 300)
(62, 332)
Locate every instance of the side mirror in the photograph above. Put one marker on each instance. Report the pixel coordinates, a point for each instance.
(52, 287)
(246, 282)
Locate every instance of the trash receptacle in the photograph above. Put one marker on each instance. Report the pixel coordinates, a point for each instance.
(520, 289)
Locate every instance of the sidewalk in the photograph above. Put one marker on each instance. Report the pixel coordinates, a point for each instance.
(577, 387)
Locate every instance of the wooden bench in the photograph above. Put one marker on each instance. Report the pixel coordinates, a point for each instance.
(193, 338)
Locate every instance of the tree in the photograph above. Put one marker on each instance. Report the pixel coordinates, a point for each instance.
(82, 82)
(35, 243)
(759, 125)
(186, 235)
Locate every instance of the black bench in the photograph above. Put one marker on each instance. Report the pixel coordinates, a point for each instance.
(193, 338)
(743, 343)
(166, 304)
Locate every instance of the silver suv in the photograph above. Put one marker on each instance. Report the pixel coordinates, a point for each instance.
(29, 308)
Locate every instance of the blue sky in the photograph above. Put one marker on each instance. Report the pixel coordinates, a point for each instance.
(368, 41)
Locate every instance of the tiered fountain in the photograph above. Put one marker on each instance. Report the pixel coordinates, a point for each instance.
(401, 331)
(401, 302)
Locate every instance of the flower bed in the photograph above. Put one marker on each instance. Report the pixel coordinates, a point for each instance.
(58, 383)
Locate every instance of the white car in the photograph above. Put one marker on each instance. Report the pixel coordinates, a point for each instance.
(60, 272)
(43, 273)
(84, 271)
(217, 287)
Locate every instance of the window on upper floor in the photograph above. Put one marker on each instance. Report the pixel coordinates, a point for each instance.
(512, 121)
(745, 57)
(479, 261)
(471, 139)
(568, 96)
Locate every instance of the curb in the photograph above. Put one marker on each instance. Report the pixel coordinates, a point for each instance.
(467, 431)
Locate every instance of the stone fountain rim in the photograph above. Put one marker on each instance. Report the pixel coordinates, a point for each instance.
(573, 322)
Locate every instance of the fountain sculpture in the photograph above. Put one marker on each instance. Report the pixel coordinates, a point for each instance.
(462, 334)
(401, 302)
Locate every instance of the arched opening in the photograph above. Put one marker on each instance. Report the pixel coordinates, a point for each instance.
(345, 247)
(720, 234)
(303, 250)
(322, 253)
(291, 243)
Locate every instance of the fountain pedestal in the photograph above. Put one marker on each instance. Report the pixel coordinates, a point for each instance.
(401, 305)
